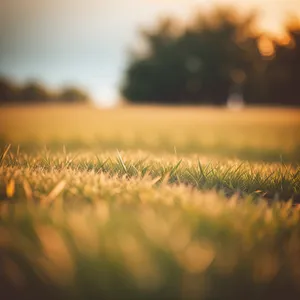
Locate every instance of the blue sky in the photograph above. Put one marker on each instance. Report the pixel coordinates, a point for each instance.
(86, 42)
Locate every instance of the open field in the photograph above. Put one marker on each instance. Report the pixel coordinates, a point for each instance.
(253, 134)
(149, 203)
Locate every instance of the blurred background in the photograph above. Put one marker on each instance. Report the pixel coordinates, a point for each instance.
(184, 76)
(150, 51)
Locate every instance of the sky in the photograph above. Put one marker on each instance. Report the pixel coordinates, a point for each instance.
(86, 42)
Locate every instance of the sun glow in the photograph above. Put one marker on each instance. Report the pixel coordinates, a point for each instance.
(266, 46)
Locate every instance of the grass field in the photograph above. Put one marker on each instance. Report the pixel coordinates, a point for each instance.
(254, 134)
(149, 203)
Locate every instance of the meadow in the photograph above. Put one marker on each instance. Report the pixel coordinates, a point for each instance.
(149, 203)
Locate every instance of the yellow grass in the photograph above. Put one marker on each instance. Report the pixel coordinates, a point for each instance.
(188, 130)
(92, 222)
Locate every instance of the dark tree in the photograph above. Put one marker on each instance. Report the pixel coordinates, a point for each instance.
(283, 72)
(9, 92)
(73, 95)
(156, 77)
(215, 56)
(198, 64)
(34, 92)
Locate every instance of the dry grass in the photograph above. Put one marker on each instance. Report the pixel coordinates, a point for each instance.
(151, 224)
(253, 133)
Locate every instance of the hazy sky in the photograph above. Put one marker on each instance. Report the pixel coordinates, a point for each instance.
(86, 42)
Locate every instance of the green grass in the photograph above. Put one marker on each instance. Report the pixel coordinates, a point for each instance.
(169, 221)
(277, 180)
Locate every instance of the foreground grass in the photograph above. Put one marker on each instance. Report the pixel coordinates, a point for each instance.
(137, 226)
(271, 181)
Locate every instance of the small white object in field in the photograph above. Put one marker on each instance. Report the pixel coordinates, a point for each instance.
(235, 101)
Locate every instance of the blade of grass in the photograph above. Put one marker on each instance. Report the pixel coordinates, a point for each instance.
(4, 154)
(121, 162)
(54, 193)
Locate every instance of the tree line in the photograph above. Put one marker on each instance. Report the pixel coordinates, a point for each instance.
(213, 57)
(35, 92)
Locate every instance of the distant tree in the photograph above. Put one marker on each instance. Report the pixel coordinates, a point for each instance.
(155, 77)
(283, 72)
(34, 92)
(8, 91)
(202, 63)
(73, 95)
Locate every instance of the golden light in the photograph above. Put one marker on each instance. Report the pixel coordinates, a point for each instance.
(287, 41)
(266, 46)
